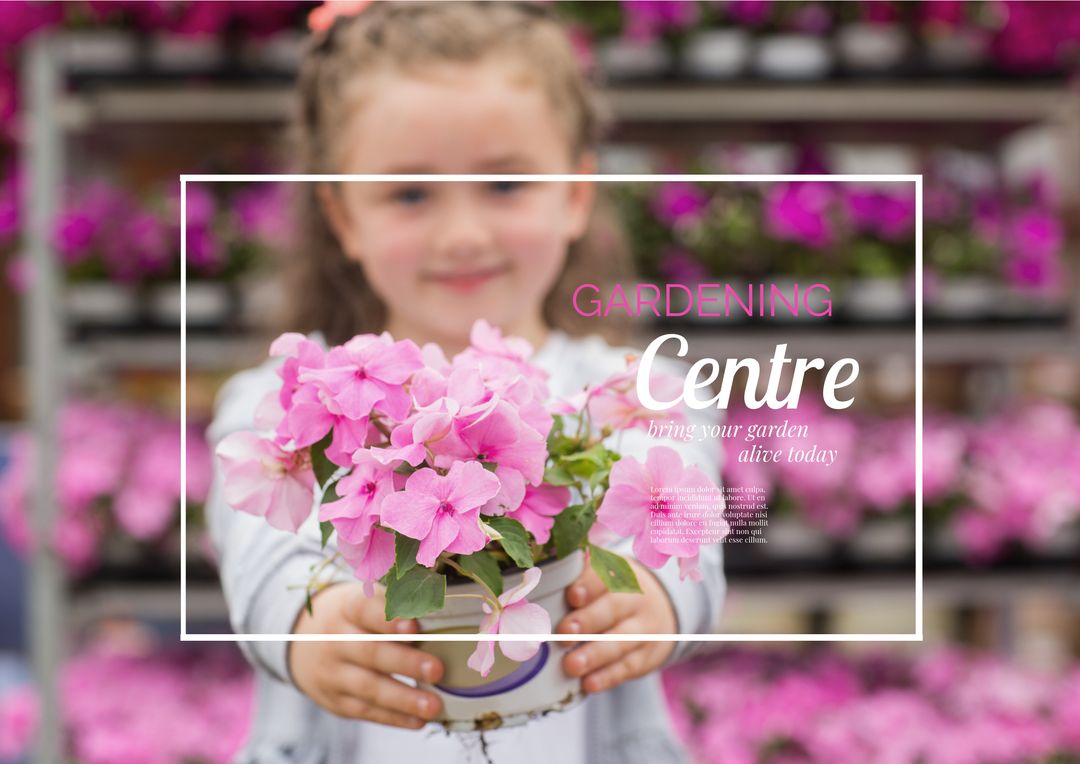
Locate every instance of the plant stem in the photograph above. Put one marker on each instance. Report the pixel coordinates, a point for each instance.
(492, 600)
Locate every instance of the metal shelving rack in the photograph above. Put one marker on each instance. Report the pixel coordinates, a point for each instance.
(694, 114)
(43, 324)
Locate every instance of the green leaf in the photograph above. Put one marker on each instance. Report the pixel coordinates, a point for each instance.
(556, 474)
(597, 455)
(486, 568)
(559, 444)
(327, 530)
(599, 478)
(419, 592)
(571, 528)
(405, 549)
(330, 495)
(307, 603)
(489, 466)
(613, 569)
(323, 467)
(515, 540)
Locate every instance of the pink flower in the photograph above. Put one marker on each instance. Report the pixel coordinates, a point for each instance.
(502, 437)
(366, 372)
(679, 203)
(320, 19)
(614, 403)
(643, 495)
(442, 512)
(502, 360)
(539, 507)
(263, 479)
(513, 616)
(18, 720)
(370, 557)
(799, 212)
(362, 492)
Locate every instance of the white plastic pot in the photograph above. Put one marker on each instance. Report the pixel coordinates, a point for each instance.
(814, 302)
(622, 59)
(100, 50)
(793, 56)
(964, 298)
(878, 299)
(512, 693)
(181, 54)
(871, 48)
(101, 302)
(208, 303)
(717, 54)
(957, 52)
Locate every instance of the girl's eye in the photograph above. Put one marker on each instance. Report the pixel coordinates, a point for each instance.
(504, 187)
(410, 195)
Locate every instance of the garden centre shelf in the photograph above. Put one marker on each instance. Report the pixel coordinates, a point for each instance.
(878, 103)
(990, 588)
(161, 352)
(152, 601)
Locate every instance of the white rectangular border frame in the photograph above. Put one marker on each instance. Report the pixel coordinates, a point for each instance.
(916, 636)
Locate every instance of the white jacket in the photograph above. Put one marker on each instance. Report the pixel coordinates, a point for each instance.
(626, 725)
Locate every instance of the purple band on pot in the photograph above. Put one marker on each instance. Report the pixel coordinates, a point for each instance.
(519, 676)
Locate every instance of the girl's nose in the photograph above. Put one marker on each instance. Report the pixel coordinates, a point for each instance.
(465, 230)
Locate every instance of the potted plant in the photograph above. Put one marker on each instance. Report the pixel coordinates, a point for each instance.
(795, 45)
(719, 49)
(880, 251)
(468, 494)
(871, 40)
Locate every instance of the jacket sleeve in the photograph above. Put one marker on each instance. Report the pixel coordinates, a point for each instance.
(263, 570)
(697, 604)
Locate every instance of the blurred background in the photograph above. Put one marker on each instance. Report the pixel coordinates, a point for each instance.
(104, 104)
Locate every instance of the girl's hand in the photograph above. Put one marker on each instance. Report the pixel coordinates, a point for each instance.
(352, 679)
(595, 610)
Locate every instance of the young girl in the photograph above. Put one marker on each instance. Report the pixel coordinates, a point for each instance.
(445, 88)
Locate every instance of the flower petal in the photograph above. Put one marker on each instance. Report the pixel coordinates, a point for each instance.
(529, 580)
(472, 485)
(444, 529)
(483, 657)
(410, 513)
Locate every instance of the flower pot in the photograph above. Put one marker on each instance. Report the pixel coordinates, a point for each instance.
(208, 304)
(261, 297)
(808, 301)
(884, 538)
(878, 299)
(967, 297)
(716, 54)
(622, 59)
(512, 693)
(101, 302)
(871, 49)
(792, 538)
(100, 51)
(793, 57)
(1016, 304)
(183, 54)
(280, 52)
(958, 52)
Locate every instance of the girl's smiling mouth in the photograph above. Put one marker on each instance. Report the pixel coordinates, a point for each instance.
(468, 280)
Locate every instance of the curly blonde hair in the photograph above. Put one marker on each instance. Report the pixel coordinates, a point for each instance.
(328, 291)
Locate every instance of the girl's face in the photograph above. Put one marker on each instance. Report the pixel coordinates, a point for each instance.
(441, 255)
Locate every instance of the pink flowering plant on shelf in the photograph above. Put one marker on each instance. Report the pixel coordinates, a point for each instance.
(423, 469)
